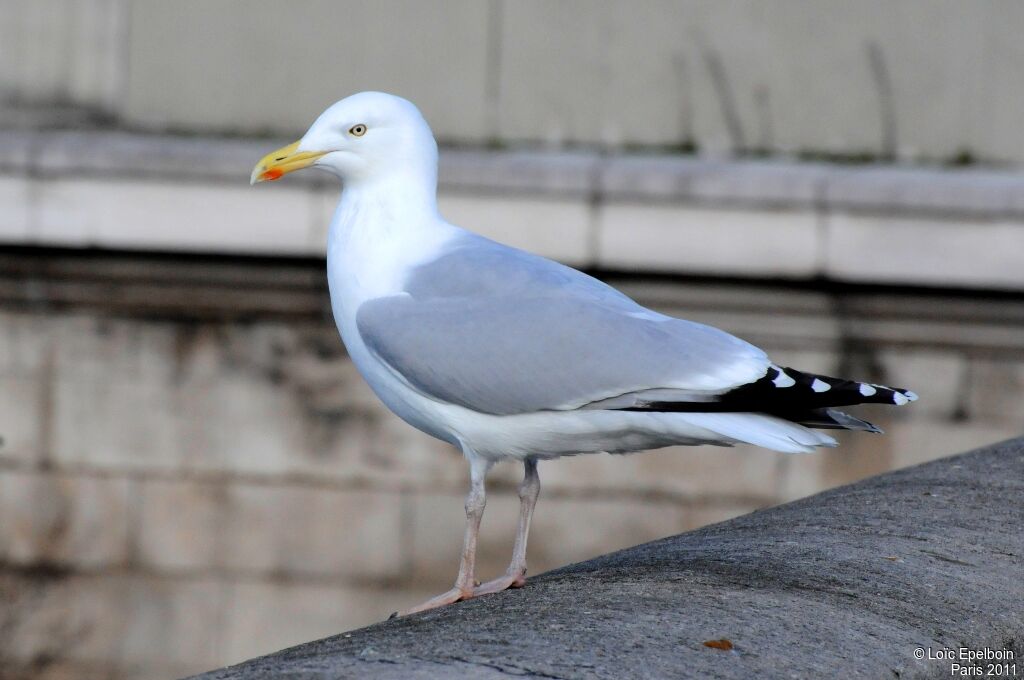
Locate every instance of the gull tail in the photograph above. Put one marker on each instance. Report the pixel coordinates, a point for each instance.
(760, 429)
(834, 419)
(785, 394)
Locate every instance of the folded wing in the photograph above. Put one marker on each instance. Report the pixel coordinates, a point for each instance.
(503, 332)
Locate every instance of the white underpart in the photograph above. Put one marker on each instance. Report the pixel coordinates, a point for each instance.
(783, 379)
(867, 390)
(820, 386)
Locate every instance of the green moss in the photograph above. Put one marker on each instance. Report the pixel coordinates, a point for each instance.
(962, 158)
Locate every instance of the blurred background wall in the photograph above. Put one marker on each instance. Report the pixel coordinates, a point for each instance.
(192, 473)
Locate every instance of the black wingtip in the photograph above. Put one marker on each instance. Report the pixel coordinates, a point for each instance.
(821, 391)
(805, 398)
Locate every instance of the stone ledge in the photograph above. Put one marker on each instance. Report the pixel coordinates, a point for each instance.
(757, 183)
(846, 583)
(660, 214)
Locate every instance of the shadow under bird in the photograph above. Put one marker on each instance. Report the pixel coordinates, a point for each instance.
(508, 355)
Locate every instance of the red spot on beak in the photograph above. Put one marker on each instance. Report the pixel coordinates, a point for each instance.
(272, 174)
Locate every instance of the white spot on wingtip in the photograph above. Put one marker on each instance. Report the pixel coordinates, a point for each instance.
(899, 399)
(912, 396)
(783, 379)
(866, 390)
(820, 386)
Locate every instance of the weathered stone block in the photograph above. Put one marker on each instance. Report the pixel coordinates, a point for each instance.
(14, 219)
(148, 435)
(184, 615)
(348, 534)
(399, 453)
(23, 407)
(732, 182)
(78, 620)
(109, 623)
(922, 440)
(906, 189)
(257, 529)
(173, 216)
(687, 472)
(223, 36)
(705, 240)
(996, 392)
(350, 434)
(61, 519)
(530, 172)
(88, 72)
(940, 378)
(859, 455)
(187, 158)
(24, 342)
(179, 524)
(89, 347)
(237, 420)
(909, 439)
(571, 529)
(557, 228)
(889, 249)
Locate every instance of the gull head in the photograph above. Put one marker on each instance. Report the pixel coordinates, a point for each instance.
(362, 137)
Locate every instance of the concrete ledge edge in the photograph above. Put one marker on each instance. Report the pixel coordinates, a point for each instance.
(975, 192)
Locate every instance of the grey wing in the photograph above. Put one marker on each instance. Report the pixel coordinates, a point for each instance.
(506, 356)
(554, 339)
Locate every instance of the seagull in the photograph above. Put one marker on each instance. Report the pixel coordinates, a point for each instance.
(507, 355)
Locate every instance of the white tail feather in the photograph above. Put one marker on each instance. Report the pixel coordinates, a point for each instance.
(761, 430)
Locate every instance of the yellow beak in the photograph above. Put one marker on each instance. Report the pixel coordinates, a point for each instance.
(277, 164)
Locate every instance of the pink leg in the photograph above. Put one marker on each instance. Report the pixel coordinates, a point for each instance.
(475, 502)
(515, 575)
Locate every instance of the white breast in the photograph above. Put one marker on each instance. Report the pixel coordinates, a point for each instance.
(370, 251)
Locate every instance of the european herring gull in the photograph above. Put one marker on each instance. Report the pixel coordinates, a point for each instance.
(508, 355)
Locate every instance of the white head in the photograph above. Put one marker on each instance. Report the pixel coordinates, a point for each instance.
(368, 136)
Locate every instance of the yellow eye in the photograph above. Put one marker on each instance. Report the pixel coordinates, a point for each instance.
(357, 130)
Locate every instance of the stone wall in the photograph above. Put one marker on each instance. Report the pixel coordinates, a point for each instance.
(918, 79)
(193, 474)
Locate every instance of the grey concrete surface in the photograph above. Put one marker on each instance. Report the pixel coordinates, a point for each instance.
(847, 583)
